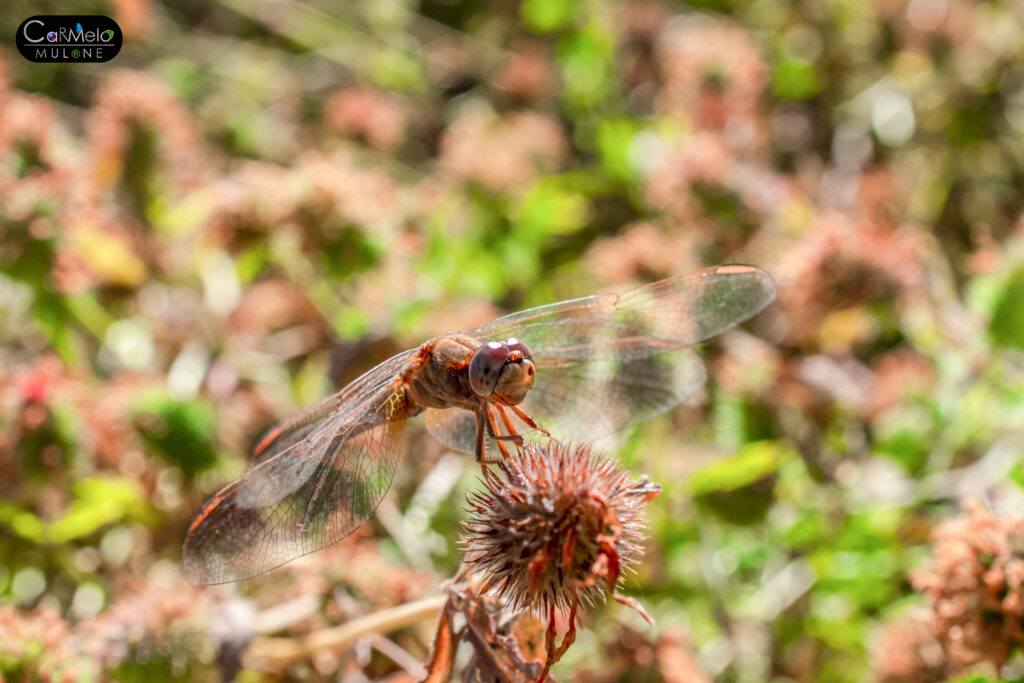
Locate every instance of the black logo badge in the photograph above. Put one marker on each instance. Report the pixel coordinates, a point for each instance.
(69, 38)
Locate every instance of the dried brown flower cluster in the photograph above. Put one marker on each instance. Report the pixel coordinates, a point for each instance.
(147, 621)
(130, 105)
(641, 248)
(502, 153)
(845, 263)
(714, 73)
(905, 651)
(373, 116)
(556, 524)
(527, 73)
(975, 584)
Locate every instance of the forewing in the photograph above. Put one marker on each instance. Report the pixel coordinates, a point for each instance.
(303, 498)
(671, 313)
(588, 400)
(611, 360)
(296, 428)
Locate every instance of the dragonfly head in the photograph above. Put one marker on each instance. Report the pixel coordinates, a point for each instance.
(502, 369)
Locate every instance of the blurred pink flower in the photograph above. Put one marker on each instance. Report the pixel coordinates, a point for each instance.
(898, 374)
(641, 251)
(130, 104)
(701, 159)
(135, 17)
(358, 194)
(713, 70)
(27, 124)
(527, 73)
(905, 651)
(843, 262)
(269, 306)
(375, 116)
(255, 197)
(502, 153)
(919, 23)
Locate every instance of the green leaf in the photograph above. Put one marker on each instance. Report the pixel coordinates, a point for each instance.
(541, 16)
(795, 79)
(350, 251)
(1007, 325)
(752, 462)
(1016, 474)
(251, 262)
(981, 678)
(180, 432)
(22, 522)
(584, 59)
(905, 435)
(313, 380)
(98, 502)
(350, 323)
(614, 137)
(549, 209)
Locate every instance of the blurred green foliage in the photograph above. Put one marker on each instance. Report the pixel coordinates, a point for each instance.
(180, 432)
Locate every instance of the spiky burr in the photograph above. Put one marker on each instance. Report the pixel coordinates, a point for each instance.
(556, 525)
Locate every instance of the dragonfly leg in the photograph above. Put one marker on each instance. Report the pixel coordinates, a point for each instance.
(507, 421)
(483, 428)
(492, 430)
(495, 433)
(481, 431)
(504, 451)
(521, 414)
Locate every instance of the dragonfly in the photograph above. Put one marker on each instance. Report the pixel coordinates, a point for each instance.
(578, 369)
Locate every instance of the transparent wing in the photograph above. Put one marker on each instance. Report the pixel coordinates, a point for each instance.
(671, 313)
(319, 480)
(611, 360)
(286, 434)
(566, 405)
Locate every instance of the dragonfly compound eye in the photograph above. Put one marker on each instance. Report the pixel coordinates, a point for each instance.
(514, 344)
(485, 367)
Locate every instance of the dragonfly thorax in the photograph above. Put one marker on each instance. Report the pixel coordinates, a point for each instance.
(456, 371)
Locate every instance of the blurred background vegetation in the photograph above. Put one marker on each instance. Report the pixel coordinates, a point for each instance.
(256, 201)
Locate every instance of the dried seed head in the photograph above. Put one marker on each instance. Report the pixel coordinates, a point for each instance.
(555, 524)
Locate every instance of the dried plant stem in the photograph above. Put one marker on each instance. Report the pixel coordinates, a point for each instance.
(397, 654)
(442, 655)
(285, 650)
(553, 654)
